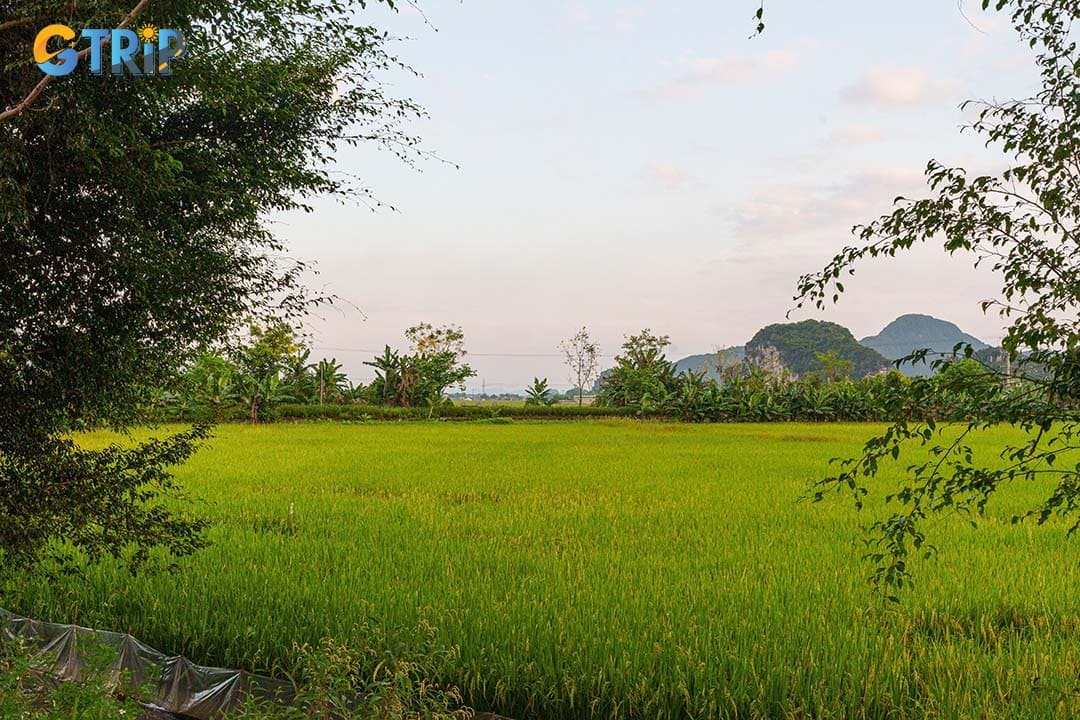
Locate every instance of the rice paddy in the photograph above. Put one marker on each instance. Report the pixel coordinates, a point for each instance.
(599, 570)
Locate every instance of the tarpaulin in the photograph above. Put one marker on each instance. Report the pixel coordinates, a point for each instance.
(176, 684)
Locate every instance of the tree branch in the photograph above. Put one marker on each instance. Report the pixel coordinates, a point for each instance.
(34, 94)
(16, 23)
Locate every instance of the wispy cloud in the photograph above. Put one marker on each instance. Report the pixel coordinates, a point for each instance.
(627, 18)
(576, 14)
(792, 215)
(700, 74)
(670, 176)
(896, 88)
(856, 134)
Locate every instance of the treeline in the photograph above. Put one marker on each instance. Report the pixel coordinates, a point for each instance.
(271, 375)
(761, 388)
(272, 369)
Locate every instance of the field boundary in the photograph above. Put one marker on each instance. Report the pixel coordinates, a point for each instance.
(178, 686)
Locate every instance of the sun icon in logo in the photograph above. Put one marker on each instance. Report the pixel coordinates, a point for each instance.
(148, 33)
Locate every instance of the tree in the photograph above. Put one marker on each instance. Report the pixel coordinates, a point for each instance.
(212, 383)
(300, 376)
(423, 377)
(539, 393)
(329, 380)
(426, 339)
(1025, 222)
(269, 349)
(582, 357)
(264, 364)
(133, 232)
(833, 367)
(260, 393)
(642, 374)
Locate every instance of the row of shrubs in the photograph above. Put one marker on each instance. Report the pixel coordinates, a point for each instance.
(877, 399)
(286, 412)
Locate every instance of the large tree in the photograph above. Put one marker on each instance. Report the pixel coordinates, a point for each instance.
(133, 231)
(1024, 223)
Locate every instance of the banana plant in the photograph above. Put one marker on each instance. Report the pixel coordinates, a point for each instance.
(539, 393)
(330, 381)
(299, 376)
(259, 394)
(217, 391)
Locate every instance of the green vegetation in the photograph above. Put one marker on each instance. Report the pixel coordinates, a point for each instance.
(909, 333)
(1024, 221)
(27, 695)
(614, 569)
(155, 240)
(270, 376)
(540, 393)
(800, 344)
(335, 680)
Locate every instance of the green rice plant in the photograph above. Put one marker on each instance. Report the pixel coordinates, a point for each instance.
(602, 569)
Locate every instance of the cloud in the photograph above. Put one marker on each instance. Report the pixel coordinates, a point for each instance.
(792, 215)
(669, 176)
(626, 18)
(576, 14)
(700, 74)
(856, 134)
(895, 88)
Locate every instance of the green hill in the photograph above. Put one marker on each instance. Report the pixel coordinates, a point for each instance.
(909, 333)
(709, 362)
(798, 345)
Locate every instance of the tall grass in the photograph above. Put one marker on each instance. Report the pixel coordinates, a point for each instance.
(600, 570)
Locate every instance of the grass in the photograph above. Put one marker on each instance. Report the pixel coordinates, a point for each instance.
(600, 570)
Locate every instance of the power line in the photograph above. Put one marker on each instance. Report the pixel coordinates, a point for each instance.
(468, 354)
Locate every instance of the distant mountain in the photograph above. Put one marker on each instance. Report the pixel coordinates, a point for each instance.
(710, 362)
(798, 345)
(909, 333)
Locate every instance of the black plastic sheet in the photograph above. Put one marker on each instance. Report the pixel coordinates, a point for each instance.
(176, 684)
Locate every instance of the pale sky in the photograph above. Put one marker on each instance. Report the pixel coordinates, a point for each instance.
(624, 165)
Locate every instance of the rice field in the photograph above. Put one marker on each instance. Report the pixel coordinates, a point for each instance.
(599, 570)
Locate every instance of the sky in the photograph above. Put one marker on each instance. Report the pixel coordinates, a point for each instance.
(630, 165)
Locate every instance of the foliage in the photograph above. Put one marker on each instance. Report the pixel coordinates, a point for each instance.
(1023, 222)
(643, 384)
(100, 502)
(27, 694)
(133, 224)
(421, 379)
(799, 344)
(642, 376)
(582, 359)
(391, 679)
(386, 677)
(426, 339)
(908, 333)
(539, 393)
(681, 542)
(833, 367)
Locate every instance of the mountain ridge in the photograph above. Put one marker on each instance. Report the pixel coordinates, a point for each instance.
(899, 338)
(915, 331)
